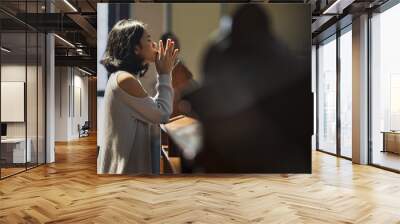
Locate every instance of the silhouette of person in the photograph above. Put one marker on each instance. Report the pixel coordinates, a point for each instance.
(255, 104)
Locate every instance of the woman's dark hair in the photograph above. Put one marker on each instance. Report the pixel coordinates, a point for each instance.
(120, 53)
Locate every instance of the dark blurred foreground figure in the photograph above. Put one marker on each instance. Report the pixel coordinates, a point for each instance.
(256, 104)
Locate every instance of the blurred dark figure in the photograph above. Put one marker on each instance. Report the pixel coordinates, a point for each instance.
(182, 79)
(256, 102)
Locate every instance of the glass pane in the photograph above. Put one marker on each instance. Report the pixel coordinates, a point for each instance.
(31, 100)
(346, 94)
(13, 87)
(314, 90)
(23, 81)
(41, 99)
(33, 8)
(327, 96)
(386, 89)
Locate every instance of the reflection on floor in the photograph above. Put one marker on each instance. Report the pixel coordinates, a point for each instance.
(387, 159)
(10, 169)
(346, 152)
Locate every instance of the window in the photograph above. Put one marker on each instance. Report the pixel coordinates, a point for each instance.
(385, 88)
(22, 76)
(327, 95)
(346, 92)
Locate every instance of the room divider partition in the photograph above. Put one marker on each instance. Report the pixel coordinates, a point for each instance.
(22, 77)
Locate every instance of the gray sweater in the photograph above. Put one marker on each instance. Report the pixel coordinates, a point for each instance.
(125, 147)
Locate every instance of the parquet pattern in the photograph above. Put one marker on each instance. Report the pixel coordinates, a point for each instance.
(70, 191)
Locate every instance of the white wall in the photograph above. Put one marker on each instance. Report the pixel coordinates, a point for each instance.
(12, 73)
(79, 117)
(61, 103)
(70, 84)
(33, 127)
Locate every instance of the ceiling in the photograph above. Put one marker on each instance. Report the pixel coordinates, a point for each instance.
(332, 15)
(72, 20)
(75, 21)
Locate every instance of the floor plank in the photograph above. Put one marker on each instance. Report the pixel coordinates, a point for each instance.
(70, 191)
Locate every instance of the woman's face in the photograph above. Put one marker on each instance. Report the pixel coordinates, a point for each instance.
(147, 49)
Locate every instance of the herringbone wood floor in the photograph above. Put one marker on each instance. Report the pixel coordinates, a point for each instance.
(69, 191)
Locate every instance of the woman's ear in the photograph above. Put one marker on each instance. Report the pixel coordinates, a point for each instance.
(137, 50)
